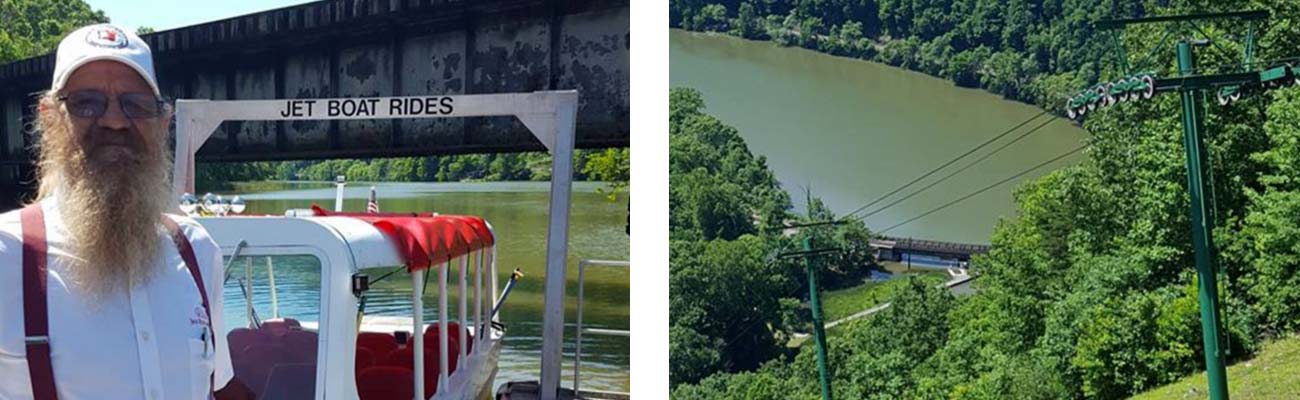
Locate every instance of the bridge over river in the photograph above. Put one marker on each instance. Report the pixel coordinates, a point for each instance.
(371, 48)
(898, 249)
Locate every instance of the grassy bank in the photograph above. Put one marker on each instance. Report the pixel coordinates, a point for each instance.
(845, 302)
(1274, 373)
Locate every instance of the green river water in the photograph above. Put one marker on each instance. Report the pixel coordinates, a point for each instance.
(518, 212)
(854, 130)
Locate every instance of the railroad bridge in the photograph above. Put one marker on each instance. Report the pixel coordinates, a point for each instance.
(893, 248)
(366, 48)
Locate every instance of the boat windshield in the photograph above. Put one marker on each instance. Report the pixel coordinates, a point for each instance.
(272, 309)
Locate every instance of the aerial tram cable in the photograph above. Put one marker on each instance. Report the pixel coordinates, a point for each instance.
(986, 188)
(957, 171)
(946, 164)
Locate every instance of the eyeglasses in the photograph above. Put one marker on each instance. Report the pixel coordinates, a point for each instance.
(93, 104)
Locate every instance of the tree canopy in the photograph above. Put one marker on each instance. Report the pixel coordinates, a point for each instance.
(30, 28)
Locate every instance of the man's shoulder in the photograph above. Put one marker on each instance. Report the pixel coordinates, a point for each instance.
(10, 228)
(11, 242)
(193, 230)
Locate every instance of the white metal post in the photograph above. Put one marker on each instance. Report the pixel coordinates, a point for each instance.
(461, 292)
(339, 184)
(577, 331)
(270, 279)
(492, 278)
(557, 246)
(442, 325)
(248, 291)
(417, 300)
(478, 295)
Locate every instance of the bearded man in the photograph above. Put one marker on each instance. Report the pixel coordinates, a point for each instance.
(102, 296)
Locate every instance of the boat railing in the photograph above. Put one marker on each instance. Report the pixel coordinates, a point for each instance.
(577, 354)
(484, 261)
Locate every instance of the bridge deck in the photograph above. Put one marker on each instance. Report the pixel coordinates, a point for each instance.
(901, 245)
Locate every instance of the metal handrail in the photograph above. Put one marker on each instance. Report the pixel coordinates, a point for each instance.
(577, 354)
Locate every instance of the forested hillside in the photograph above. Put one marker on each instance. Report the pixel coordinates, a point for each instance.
(1089, 291)
(734, 300)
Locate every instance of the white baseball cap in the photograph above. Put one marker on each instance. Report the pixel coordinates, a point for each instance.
(103, 42)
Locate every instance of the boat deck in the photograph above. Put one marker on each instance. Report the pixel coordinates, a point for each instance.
(528, 391)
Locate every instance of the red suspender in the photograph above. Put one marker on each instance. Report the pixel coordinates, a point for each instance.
(192, 263)
(35, 311)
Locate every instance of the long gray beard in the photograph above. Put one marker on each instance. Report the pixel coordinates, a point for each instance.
(112, 217)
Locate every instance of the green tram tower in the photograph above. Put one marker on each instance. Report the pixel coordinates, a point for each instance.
(1192, 90)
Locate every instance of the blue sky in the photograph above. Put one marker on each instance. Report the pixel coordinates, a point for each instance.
(164, 15)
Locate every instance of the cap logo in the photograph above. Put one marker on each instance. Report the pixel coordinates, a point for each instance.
(106, 36)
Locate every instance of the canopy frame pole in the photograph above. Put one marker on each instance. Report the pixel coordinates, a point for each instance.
(270, 280)
(417, 301)
(461, 312)
(478, 293)
(248, 294)
(442, 325)
(492, 278)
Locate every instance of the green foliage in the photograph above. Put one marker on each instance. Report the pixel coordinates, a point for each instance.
(726, 298)
(1269, 243)
(747, 23)
(900, 338)
(30, 28)
(611, 165)
(711, 18)
(1137, 341)
(718, 188)
(733, 302)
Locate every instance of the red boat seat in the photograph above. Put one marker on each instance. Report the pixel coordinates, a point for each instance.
(240, 338)
(379, 344)
(453, 337)
(291, 381)
(365, 358)
(405, 358)
(385, 383)
(279, 328)
(257, 360)
(301, 345)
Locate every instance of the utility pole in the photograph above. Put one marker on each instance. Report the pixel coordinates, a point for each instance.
(819, 328)
(1191, 87)
(1202, 231)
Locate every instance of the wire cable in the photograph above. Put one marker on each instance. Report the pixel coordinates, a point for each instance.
(946, 164)
(958, 171)
(985, 189)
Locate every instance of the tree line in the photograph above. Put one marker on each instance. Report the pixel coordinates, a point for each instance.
(1090, 289)
(606, 165)
(1031, 51)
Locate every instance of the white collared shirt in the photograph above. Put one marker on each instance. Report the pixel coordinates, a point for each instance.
(144, 343)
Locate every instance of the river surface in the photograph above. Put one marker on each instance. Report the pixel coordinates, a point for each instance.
(518, 212)
(853, 131)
